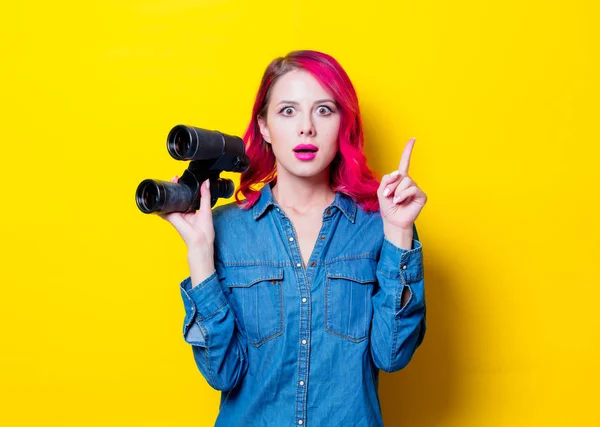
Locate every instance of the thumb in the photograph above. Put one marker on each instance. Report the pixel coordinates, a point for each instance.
(205, 201)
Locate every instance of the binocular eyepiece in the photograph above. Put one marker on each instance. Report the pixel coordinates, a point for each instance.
(210, 153)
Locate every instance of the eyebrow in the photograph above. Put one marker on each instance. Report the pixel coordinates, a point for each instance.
(316, 102)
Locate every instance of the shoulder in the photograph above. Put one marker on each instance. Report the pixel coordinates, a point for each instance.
(229, 211)
(370, 220)
(235, 231)
(232, 219)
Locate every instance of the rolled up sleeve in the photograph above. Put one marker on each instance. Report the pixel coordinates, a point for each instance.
(209, 327)
(398, 330)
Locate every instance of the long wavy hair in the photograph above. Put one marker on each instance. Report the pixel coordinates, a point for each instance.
(349, 173)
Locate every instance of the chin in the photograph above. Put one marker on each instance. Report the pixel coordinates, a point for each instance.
(308, 172)
(303, 169)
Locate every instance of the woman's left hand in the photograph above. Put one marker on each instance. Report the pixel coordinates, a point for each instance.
(400, 199)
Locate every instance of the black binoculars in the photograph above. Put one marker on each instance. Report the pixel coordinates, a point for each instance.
(210, 152)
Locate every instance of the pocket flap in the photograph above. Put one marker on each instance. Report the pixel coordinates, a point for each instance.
(248, 275)
(362, 270)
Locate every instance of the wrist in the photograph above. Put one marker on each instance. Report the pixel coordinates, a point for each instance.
(199, 252)
(202, 265)
(200, 257)
(401, 237)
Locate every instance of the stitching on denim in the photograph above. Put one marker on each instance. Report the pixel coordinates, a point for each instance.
(371, 275)
(393, 347)
(403, 251)
(394, 332)
(346, 337)
(366, 307)
(203, 284)
(209, 370)
(206, 353)
(308, 352)
(257, 263)
(327, 319)
(352, 278)
(364, 255)
(264, 340)
(213, 313)
(400, 273)
(253, 294)
(280, 329)
(253, 281)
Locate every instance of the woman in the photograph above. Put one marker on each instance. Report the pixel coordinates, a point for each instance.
(299, 294)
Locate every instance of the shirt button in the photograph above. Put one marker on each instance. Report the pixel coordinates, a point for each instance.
(303, 341)
(301, 382)
(277, 209)
(303, 299)
(404, 267)
(322, 237)
(291, 239)
(298, 265)
(328, 211)
(312, 264)
(299, 421)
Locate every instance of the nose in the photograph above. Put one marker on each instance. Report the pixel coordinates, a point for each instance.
(306, 127)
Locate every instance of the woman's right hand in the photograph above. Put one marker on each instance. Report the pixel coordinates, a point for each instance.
(196, 228)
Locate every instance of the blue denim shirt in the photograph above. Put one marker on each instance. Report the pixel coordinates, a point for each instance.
(290, 344)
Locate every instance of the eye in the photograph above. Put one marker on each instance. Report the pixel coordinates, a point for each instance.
(287, 111)
(324, 110)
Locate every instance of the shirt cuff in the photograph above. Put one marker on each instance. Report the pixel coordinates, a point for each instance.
(202, 300)
(395, 261)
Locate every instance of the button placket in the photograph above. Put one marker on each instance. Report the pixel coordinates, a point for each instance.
(304, 278)
(304, 353)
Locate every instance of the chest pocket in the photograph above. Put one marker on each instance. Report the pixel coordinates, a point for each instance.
(257, 298)
(349, 287)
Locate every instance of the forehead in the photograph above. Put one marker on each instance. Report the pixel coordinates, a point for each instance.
(298, 85)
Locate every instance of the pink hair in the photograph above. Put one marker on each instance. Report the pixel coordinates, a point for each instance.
(349, 172)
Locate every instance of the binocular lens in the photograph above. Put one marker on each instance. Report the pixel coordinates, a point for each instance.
(148, 196)
(157, 196)
(181, 142)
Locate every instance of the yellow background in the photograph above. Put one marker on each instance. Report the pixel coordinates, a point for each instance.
(501, 96)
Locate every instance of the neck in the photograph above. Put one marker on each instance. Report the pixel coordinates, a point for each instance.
(302, 194)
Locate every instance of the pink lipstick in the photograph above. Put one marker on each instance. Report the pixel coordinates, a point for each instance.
(305, 151)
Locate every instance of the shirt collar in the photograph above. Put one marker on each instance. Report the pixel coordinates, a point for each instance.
(341, 201)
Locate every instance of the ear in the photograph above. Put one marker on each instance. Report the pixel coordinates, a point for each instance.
(264, 130)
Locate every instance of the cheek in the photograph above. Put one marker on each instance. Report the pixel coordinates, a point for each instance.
(331, 130)
(280, 131)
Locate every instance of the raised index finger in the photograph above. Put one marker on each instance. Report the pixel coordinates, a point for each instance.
(405, 159)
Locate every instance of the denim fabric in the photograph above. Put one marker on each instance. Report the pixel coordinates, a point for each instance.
(290, 344)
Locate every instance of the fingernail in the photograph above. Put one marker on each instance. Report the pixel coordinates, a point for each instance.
(396, 173)
(208, 183)
(386, 192)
